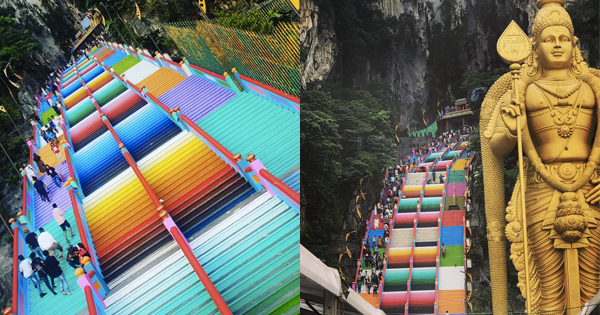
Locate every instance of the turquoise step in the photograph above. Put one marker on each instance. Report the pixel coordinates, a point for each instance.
(250, 124)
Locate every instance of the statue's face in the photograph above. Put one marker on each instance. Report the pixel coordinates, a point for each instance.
(555, 48)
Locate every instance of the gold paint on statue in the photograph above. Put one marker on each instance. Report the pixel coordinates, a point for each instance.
(550, 106)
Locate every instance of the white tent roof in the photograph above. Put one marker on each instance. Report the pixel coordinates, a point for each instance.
(315, 277)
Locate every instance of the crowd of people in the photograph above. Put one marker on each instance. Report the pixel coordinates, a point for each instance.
(375, 261)
(40, 187)
(42, 262)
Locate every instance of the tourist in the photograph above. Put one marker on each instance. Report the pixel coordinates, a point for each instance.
(56, 151)
(433, 175)
(56, 122)
(40, 163)
(44, 135)
(375, 282)
(56, 176)
(31, 240)
(51, 125)
(52, 268)
(30, 171)
(441, 179)
(27, 271)
(376, 223)
(50, 135)
(443, 250)
(61, 221)
(40, 188)
(56, 108)
(368, 285)
(72, 257)
(38, 265)
(49, 244)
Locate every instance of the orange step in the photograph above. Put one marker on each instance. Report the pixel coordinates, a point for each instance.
(161, 81)
(450, 300)
(369, 297)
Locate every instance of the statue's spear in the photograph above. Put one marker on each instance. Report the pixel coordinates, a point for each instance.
(514, 47)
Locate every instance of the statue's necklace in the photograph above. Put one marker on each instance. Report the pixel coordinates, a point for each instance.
(564, 121)
(560, 92)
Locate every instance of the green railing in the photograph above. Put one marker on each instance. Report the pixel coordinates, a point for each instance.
(428, 131)
(272, 59)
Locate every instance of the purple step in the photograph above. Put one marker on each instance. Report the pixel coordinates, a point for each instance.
(196, 97)
(60, 196)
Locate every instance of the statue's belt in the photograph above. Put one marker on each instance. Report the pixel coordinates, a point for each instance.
(567, 172)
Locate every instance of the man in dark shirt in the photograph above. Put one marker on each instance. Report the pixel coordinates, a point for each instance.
(40, 187)
(52, 269)
(31, 240)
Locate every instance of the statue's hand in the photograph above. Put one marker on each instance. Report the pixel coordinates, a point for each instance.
(593, 196)
(509, 116)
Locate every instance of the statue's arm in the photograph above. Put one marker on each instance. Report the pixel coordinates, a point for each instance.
(504, 137)
(502, 144)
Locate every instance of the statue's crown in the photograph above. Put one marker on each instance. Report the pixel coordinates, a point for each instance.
(551, 13)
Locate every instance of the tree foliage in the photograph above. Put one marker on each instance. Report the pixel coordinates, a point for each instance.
(345, 135)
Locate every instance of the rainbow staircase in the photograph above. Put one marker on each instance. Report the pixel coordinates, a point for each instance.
(417, 279)
(132, 146)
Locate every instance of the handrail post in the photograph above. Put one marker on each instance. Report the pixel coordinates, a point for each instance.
(95, 303)
(274, 185)
(95, 277)
(250, 175)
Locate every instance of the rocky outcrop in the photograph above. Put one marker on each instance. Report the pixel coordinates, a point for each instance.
(415, 67)
(317, 43)
(51, 22)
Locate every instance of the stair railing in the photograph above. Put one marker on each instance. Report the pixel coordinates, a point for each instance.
(272, 184)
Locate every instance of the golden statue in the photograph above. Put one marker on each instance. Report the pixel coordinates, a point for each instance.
(551, 111)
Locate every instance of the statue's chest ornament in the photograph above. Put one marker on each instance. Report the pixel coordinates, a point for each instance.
(564, 119)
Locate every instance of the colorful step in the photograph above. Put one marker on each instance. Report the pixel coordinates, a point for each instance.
(270, 132)
(196, 97)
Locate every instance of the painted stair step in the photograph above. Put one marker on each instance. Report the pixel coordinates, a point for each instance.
(125, 64)
(161, 171)
(161, 81)
(98, 162)
(116, 110)
(139, 72)
(401, 238)
(145, 130)
(114, 59)
(238, 238)
(196, 97)
(426, 236)
(270, 132)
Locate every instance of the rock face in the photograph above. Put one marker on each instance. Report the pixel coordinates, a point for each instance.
(51, 22)
(318, 38)
(436, 41)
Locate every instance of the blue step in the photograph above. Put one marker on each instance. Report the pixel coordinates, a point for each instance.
(145, 130)
(98, 162)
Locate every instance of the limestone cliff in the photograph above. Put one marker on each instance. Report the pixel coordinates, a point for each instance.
(51, 22)
(435, 41)
(317, 39)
